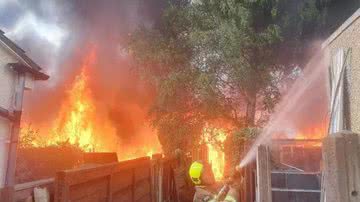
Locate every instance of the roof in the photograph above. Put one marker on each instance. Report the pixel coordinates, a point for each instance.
(26, 64)
(341, 29)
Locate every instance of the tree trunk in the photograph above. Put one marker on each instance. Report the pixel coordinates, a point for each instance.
(250, 109)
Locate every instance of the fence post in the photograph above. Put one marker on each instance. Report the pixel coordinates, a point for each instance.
(161, 178)
(155, 170)
(133, 185)
(110, 185)
(263, 174)
(341, 155)
(7, 194)
(61, 190)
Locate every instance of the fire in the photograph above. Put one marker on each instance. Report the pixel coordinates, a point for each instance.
(314, 135)
(310, 136)
(214, 139)
(80, 122)
(76, 120)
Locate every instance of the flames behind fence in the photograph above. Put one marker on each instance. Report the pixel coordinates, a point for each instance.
(214, 139)
(80, 121)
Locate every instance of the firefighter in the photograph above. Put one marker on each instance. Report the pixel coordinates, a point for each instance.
(206, 189)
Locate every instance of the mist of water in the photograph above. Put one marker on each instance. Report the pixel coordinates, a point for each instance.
(304, 105)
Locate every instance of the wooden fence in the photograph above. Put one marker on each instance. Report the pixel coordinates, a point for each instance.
(143, 179)
(140, 179)
(124, 181)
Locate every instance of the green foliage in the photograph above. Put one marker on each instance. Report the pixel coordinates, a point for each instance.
(237, 144)
(212, 60)
(206, 60)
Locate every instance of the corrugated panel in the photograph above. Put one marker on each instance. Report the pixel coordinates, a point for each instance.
(340, 61)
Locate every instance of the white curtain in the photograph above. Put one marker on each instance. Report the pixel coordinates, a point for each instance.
(337, 77)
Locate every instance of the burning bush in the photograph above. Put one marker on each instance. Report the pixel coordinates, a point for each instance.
(42, 161)
(96, 119)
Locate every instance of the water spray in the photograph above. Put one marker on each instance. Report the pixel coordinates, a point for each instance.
(306, 91)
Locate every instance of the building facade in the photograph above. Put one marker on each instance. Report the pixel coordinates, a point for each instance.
(343, 49)
(17, 74)
(341, 148)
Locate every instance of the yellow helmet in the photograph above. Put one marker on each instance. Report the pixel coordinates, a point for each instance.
(195, 171)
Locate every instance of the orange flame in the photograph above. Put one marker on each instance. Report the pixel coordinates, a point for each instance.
(214, 139)
(78, 122)
(316, 134)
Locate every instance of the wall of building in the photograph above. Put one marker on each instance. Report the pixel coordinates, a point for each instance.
(350, 38)
(7, 89)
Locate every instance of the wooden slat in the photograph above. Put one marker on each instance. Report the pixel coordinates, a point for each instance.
(142, 173)
(78, 176)
(110, 188)
(124, 196)
(84, 190)
(145, 198)
(132, 185)
(142, 189)
(121, 180)
(61, 188)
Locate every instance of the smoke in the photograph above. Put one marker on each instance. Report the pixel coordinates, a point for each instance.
(302, 109)
(56, 34)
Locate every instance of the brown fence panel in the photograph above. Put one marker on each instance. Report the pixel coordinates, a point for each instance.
(124, 181)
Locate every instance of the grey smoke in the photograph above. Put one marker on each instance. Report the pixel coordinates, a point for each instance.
(56, 33)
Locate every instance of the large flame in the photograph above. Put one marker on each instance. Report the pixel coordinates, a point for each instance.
(79, 122)
(76, 120)
(214, 139)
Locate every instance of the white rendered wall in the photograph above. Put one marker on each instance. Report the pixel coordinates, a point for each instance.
(7, 89)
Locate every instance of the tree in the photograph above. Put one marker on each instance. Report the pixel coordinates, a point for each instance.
(163, 57)
(223, 60)
(230, 33)
(206, 60)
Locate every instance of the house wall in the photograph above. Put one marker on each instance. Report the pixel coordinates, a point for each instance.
(350, 38)
(7, 89)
